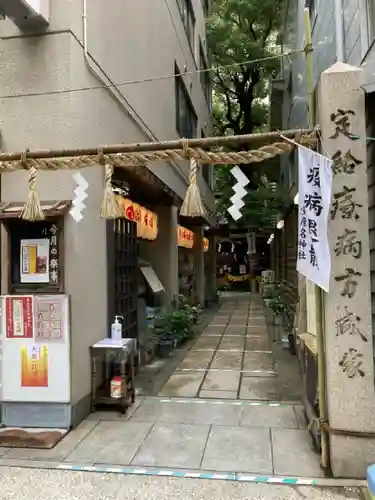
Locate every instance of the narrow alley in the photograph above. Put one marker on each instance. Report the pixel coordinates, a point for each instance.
(230, 409)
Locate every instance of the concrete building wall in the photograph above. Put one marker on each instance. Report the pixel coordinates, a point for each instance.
(135, 42)
(131, 41)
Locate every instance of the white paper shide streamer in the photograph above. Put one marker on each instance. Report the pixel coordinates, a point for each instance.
(239, 193)
(80, 197)
(315, 192)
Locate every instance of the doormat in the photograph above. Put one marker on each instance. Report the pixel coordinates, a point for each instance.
(13, 437)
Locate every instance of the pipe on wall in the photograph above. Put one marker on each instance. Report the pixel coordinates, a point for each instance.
(339, 25)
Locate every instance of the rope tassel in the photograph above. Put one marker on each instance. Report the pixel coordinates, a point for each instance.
(32, 210)
(192, 205)
(110, 209)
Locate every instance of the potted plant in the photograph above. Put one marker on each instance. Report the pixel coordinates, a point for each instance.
(176, 327)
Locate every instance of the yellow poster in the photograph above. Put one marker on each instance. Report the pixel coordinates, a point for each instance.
(34, 366)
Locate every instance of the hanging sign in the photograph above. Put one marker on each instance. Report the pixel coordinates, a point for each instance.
(251, 239)
(147, 221)
(185, 237)
(315, 192)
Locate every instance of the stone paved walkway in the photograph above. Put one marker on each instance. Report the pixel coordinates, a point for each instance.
(234, 358)
(230, 407)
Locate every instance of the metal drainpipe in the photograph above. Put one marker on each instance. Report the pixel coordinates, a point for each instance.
(340, 56)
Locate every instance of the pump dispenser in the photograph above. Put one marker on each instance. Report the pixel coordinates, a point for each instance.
(116, 329)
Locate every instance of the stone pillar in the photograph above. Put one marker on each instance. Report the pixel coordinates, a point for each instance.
(210, 257)
(200, 291)
(347, 311)
(164, 252)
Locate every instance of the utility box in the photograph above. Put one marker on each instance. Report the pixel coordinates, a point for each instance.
(26, 13)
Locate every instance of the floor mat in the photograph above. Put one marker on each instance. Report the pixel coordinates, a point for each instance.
(12, 437)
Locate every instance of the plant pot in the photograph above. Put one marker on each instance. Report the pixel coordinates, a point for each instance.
(292, 344)
(164, 348)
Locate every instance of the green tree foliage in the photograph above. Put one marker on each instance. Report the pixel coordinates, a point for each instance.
(240, 31)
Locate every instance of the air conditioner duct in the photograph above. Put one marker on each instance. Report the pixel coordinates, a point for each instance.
(26, 13)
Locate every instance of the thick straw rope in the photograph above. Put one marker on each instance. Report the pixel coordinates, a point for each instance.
(192, 205)
(141, 159)
(109, 208)
(32, 210)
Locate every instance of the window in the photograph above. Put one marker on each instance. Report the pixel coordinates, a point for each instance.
(205, 76)
(188, 20)
(186, 119)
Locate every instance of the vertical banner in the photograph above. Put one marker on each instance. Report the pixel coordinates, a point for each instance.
(315, 192)
(19, 312)
(251, 245)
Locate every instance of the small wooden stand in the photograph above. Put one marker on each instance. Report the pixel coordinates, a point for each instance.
(113, 356)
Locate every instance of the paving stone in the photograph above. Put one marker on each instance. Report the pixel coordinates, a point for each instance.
(221, 381)
(227, 360)
(197, 359)
(208, 333)
(258, 361)
(219, 318)
(60, 451)
(206, 343)
(256, 330)
(173, 445)
(184, 385)
(218, 394)
(257, 326)
(111, 442)
(237, 329)
(188, 413)
(259, 388)
(234, 449)
(276, 417)
(219, 330)
(237, 321)
(232, 343)
(293, 453)
(257, 343)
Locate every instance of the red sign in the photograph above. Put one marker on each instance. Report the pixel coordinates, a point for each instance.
(19, 317)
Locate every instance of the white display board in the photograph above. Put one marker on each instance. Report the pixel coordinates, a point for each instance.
(35, 349)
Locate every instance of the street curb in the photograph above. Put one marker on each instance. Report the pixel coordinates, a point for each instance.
(187, 474)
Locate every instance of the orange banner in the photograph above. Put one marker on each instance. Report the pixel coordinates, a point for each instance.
(147, 221)
(185, 237)
(34, 366)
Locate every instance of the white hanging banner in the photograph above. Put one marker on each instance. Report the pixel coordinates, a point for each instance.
(315, 193)
(251, 243)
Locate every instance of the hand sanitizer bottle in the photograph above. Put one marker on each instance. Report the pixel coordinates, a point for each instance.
(116, 329)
